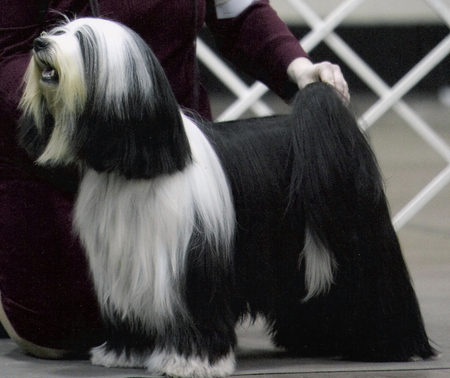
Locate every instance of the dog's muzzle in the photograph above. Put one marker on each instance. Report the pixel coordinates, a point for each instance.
(41, 46)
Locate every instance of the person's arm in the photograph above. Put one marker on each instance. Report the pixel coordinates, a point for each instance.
(260, 43)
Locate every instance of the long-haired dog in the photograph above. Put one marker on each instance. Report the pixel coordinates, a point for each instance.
(188, 226)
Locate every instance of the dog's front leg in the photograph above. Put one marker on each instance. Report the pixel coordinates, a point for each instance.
(195, 348)
(186, 347)
(123, 347)
(175, 364)
(200, 341)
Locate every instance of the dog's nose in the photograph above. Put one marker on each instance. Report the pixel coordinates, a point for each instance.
(40, 44)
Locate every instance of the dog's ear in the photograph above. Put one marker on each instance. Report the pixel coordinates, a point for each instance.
(131, 123)
(32, 138)
(144, 147)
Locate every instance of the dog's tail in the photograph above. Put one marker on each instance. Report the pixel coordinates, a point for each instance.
(351, 249)
(334, 174)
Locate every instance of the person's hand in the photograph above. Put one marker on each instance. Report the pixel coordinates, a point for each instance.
(303, 72)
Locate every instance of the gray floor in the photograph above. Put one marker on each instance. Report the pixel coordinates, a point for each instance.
(408, 164)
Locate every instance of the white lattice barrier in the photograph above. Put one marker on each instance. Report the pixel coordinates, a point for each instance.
(249, 97)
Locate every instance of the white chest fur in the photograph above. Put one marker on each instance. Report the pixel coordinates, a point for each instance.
(137, 232)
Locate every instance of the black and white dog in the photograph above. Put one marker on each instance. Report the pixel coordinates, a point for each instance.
(189, 227)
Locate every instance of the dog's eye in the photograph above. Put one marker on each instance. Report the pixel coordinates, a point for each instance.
(59, 32)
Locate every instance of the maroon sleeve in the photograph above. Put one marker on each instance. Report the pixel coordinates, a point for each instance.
(259, 43)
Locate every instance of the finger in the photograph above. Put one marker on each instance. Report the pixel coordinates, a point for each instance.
(326, 72)
(345, 93)
(342, 87)
(339, 81)
(332, 74)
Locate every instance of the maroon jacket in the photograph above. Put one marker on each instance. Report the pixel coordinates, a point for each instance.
(44, 283)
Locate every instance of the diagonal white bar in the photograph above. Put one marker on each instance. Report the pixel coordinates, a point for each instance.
(228, 77)
(408, 81)
(422, 198)
(321, 28)
(441, 10)
(255, 92)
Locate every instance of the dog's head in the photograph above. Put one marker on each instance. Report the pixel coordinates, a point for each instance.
(96, 94)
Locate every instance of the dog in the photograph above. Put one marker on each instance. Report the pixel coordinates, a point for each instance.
(190, 226)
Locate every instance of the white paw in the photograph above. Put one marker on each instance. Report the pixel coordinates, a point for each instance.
(174, 365)
(103, 356)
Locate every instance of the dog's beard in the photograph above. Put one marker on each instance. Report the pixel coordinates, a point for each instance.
(54, 97)
(43, 56)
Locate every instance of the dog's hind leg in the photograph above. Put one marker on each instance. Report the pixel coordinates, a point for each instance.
(371, 311)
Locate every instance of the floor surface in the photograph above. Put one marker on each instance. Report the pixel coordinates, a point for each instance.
(408, 164)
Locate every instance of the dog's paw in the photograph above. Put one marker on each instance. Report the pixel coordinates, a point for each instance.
(175, 365)
(105, 356)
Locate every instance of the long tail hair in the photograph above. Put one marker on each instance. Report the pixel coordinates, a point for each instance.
(350, 240)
